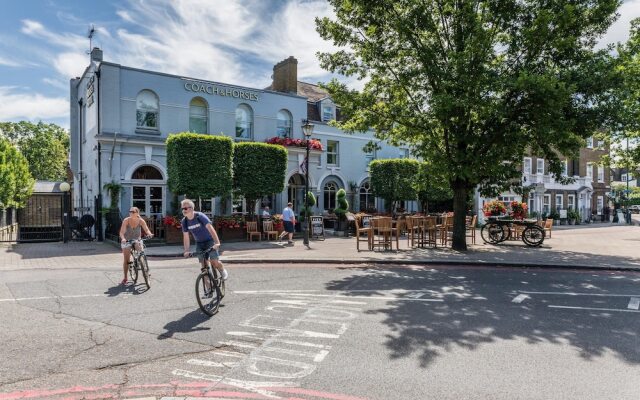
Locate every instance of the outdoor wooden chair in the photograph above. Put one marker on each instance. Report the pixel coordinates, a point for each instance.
(363, 226)
(471, 229)
(427, 232)
(413, 229)
(252, 231)
(445, 229)
(546, 225)
(382, 233)
(268, 231)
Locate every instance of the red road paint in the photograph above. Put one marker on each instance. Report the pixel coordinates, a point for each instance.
(185, 389)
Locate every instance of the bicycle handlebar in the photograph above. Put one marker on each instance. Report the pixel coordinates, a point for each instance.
(207, 251)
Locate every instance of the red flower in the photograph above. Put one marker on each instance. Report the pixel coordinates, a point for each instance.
(170, 220)
(313, 143)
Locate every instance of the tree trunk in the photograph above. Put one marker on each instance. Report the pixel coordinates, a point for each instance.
(459, 241)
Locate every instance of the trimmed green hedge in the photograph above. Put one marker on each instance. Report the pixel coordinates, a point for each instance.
(199, 165)
(259, 169)
(16, 182)
(393, 179)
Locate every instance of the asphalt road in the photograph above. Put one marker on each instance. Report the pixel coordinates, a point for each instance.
(322, 332)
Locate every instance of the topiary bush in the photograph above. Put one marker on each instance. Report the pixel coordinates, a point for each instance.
(342, 204)
(199, 165)
(310, 201)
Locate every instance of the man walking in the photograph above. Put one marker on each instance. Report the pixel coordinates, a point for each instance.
(289, 220)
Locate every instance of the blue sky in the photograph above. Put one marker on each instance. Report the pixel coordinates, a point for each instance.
(43, 44)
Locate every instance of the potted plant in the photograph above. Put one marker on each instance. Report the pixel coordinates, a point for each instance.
(342, 209)
(278, 225)
(172, 229)
(229, 227)
(518, 210)
(494, 208)
(555, 215)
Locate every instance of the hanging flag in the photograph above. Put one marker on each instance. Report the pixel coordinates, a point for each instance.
(303, 166)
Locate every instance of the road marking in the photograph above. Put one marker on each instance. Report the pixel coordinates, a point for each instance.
(252, 386)
(594, 309)
(634, 303)
(583, 294)
(520, 298)
(76, 296)
(208, 363)
(284, 293)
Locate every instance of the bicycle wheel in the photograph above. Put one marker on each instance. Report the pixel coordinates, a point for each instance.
(207, 293)
(493, 233)
(144, 268)
(133, 270)
(533, 236)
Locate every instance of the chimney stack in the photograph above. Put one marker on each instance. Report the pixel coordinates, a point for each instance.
(285, 76)
(96, 54)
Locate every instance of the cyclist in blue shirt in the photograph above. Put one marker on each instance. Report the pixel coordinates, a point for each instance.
(204, 234)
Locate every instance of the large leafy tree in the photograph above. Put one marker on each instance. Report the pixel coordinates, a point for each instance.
(16, 183)
(199, 165)
(259, 170)
(45, 146)
(471, 85)
(625, 129)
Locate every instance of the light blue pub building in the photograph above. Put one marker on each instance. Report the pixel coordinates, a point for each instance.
(122, 116)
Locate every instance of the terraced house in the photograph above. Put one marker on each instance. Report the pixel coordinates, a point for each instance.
(587, 194)
(122, 116)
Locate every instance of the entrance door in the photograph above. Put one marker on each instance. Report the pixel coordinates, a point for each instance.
(148, 199)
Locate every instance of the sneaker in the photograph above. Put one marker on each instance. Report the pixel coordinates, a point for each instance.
(225, 274)
(290, 242)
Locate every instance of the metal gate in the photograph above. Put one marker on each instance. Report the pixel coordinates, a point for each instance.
(41, 220)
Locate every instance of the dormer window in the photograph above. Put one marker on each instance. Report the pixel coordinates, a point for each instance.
(328, 110)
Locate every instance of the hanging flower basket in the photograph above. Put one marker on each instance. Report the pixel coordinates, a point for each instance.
(287, 142)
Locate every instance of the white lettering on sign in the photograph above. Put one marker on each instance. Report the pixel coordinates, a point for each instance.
(220, 91)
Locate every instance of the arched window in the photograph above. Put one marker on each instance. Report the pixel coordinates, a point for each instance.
(244, 122)
(147, 106)
(367, 200)
(198, 115)
(329, 195)
(146, 172)
(284, 124)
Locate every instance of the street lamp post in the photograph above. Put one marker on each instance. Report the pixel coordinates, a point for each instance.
(307, 129)
(66, 229)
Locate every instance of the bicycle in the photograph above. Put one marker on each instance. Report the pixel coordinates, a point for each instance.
(138, 262)
(209, 284)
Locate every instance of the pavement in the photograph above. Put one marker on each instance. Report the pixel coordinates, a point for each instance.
(597, 246)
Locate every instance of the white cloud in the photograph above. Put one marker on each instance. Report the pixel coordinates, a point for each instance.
(70, 64)
(69, 41)
(8, 63)
(619, 30)
(56, 83)
(21, 103)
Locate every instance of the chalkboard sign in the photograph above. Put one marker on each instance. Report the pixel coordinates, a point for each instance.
(317, 227)
(563, 214)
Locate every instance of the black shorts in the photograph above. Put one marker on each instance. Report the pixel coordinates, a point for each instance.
(288, 226)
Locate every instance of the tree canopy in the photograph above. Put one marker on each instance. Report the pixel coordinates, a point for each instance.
(259, 170)
(199, 165)
(16, 183)
(45, 146)
(394, 180)
(471, 86)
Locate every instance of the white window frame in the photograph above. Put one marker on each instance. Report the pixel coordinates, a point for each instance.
(284, 124)
(590, 171)
(140, 108)
(546, 204)
(540, 166)
(600, 204)
(565, 168)
(327, 110)
(571, 201)
(600, 173)
(335, 153)
(630, 176)
(590, 142)
(195, 116)
(246, 125)
(526, 165)
(559, 204)
(624, 177)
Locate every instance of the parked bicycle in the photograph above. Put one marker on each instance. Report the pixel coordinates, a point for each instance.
(210, 287)
(139, 262)
(498, 230)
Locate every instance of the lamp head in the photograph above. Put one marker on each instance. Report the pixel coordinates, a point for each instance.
(64, 187)
(307, 128)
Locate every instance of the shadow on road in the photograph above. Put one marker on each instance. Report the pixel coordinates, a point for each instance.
(478, 310)
(188, 323)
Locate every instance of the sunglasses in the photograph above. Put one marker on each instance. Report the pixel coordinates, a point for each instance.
(185, 208)
(132, 211)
